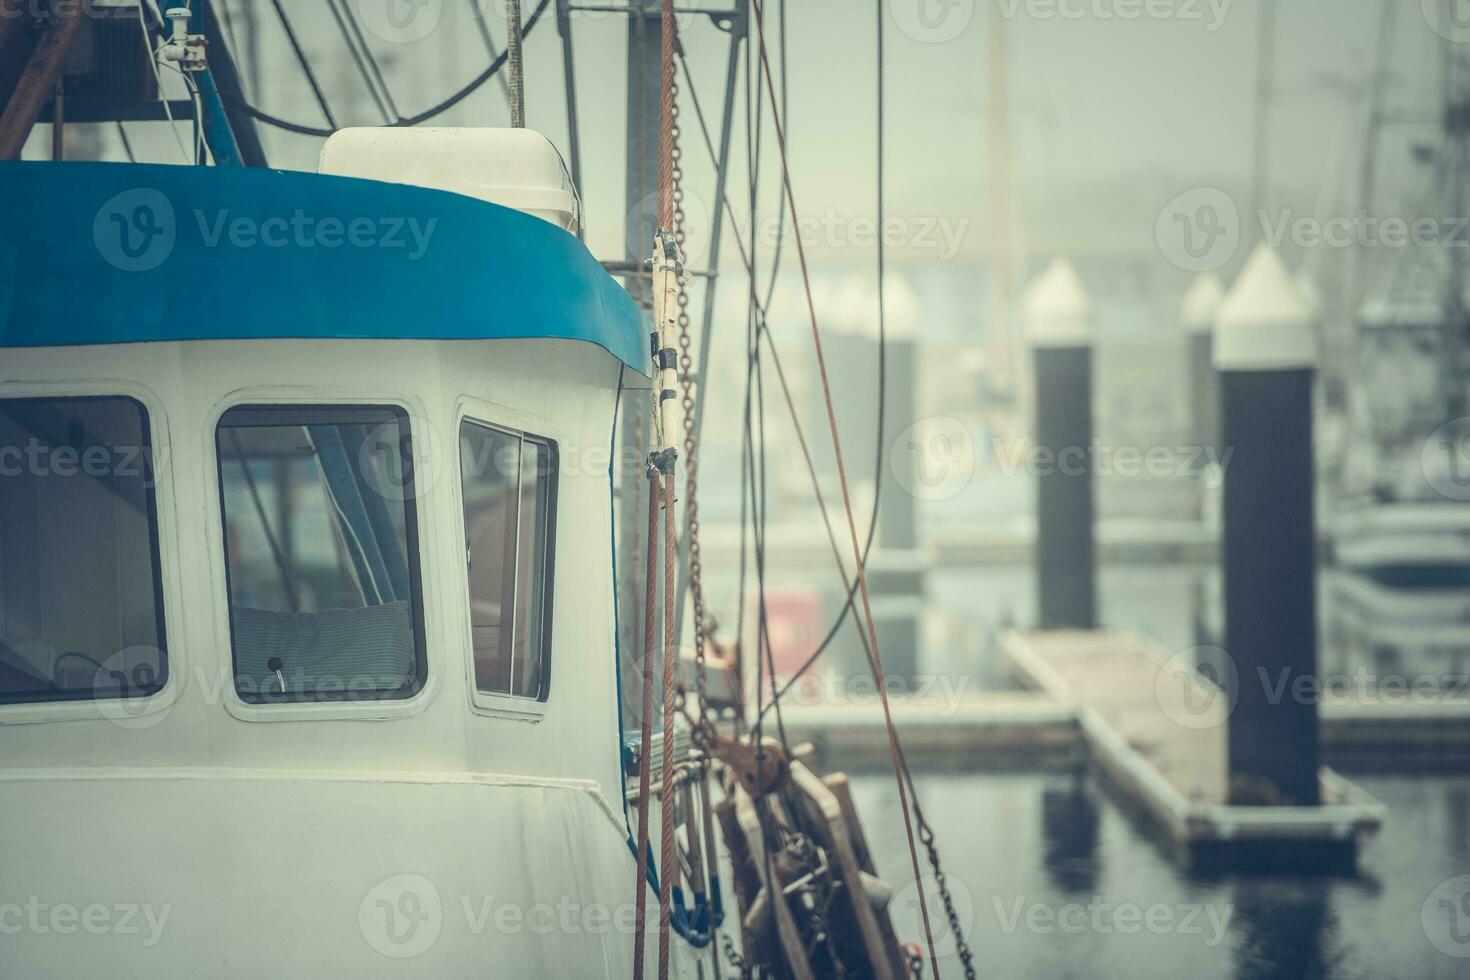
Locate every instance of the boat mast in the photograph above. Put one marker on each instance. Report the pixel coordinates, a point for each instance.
(1455, 164)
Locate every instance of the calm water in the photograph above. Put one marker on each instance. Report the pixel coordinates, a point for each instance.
(1055, 882)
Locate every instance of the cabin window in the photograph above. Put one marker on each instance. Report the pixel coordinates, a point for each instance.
(81, 609)
(322, 553)
(509, 482)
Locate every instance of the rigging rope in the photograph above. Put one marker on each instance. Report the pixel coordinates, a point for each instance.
(850, 604)
(877, 661)
(645, 762)
(358, 59)
(295, 42)
(437, 110)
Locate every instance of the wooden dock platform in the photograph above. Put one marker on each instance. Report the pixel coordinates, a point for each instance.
(1157, 732)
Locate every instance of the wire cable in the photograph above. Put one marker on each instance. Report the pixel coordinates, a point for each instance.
(470, 89)
(304, 62)
(358, 59)
(846, 495)
(852, 589)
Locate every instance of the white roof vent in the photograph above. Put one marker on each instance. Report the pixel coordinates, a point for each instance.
(1055, 310)
(1265, 324)
(1201, 303)
(515, 168)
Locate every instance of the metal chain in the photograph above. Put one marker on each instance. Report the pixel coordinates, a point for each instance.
(703, 729)
(962, 948)
(745, 966)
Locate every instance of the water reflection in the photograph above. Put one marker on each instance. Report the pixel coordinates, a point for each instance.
(1069, 831)
(1283, 930)
(1037, 853)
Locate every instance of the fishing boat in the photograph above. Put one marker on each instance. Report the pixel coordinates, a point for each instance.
(309, 626)
(319, 507)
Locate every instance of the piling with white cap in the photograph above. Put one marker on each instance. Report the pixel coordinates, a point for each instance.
(1059, 327)
(1197, 317)
(1266, 352)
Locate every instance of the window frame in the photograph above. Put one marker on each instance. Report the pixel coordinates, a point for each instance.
(506, 704)
(143, 712)
(331, 702)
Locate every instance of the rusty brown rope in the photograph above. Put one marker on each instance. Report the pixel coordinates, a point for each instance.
(877, 660)
(645, 763)
(668, 863)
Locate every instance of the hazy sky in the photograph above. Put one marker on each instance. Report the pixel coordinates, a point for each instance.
(1117, 105)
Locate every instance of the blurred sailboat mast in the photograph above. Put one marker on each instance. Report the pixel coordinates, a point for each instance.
(1002, 259)
(1455, 170)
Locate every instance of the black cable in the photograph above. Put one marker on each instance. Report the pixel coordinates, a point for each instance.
(437, 110)
(358, 59)
(781, 200)
(363, 56)
(127, 144)
(748, 257)
(848, 607)
(303, 61)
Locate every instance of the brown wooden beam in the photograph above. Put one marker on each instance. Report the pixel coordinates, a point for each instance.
(38, 81)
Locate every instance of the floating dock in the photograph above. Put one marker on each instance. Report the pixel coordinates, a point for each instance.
(1158, 735)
